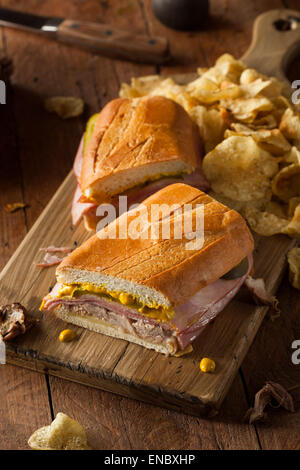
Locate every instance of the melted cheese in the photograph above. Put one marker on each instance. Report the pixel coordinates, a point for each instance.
(152, 310)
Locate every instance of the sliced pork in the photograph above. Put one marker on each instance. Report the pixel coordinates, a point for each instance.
(189, 319)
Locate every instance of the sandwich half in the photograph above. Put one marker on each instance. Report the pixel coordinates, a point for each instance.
(135, 147)
(159, 290)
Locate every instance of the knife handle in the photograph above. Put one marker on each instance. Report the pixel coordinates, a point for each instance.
(115, 43)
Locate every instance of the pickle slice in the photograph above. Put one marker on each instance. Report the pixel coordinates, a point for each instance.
(238, 271)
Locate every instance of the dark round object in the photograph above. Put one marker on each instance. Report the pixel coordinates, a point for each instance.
(185, 15)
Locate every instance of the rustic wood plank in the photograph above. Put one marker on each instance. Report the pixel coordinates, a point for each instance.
(269, 358)
(21, 390)
(114, 422)
(24, 406)
(12, 226)
(227, 339)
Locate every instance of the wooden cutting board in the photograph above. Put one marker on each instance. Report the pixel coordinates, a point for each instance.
(125, 368)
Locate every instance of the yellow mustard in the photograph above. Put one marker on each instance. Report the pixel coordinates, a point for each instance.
(207, 365)
(155, 311)
(67, 335)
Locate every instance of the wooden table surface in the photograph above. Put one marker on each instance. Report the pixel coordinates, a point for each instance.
(37, 151)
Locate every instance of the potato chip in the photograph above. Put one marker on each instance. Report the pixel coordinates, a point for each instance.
(226, 68)
(226, 116)
(63, 433)
(271, 140)
(140, 86)
(264, 223)
(247, 109)
(293, 156)
(240, 170)
(275, 208)
(294, 267)
(211, 125)
(293, 203)
(15, 206)
(249, 76)
(267, 88)
(206, 91)
(290, 125)
(201, 70)
(239, 206)
(251, 133)
(229, 67)
(155, 85)
(169, 89)
(267, 121)
(286, 183)
(293, 228)
(65, 107)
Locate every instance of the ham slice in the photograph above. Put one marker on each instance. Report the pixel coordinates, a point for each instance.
(135, 195)
(78, 160)
(204, 306)
(49, 260)
(189, 319)
(259, 292)
(57, 249)
(80, 208)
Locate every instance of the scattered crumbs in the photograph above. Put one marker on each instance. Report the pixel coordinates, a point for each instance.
(15, 206)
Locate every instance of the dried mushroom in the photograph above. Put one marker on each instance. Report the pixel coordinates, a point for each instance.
(14, 320)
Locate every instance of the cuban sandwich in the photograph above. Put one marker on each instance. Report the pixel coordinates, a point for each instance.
(159, 292)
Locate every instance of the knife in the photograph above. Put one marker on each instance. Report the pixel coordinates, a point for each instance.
(97, 37)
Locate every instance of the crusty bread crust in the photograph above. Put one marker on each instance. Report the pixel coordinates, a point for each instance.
(163, 269)
(134, 141)
(93, 324)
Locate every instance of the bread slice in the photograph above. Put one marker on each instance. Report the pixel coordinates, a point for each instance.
(162, 271)
(136, 141)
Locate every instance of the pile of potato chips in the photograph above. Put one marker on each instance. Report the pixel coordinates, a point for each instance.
(251, 135)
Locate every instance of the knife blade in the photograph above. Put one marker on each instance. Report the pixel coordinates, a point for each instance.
(97, 37)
